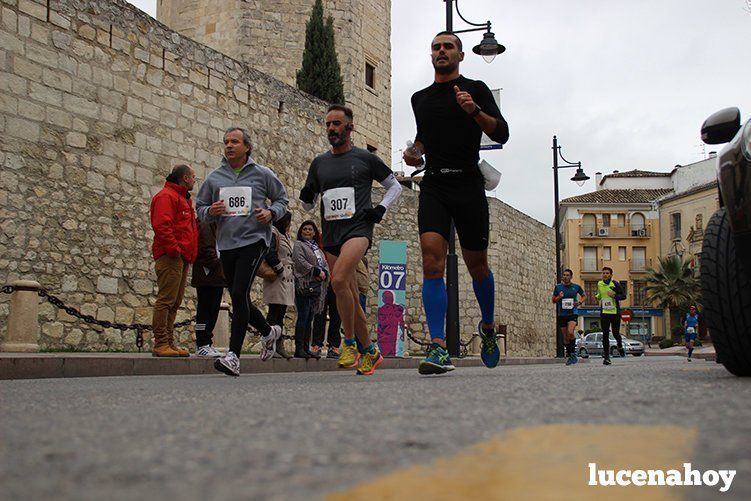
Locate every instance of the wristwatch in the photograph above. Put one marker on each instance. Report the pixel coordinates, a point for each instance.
(476, 111)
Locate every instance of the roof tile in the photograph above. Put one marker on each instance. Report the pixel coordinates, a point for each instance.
(618, 196)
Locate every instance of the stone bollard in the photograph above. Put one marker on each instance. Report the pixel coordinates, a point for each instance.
(23, 320)
(475, 345)
(221, 330)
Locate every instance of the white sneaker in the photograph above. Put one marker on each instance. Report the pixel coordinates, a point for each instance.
(208, 351)
(228, 364)
(268, 343)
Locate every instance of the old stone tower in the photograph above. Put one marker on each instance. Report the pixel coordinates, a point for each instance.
(270, 36)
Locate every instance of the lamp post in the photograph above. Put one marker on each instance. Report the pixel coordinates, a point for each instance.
(488, 48)
(580, 178)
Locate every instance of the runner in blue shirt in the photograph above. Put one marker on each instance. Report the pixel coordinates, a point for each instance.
(691, 325)
(565, 298)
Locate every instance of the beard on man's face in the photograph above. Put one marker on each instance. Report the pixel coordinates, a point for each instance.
(337, 139)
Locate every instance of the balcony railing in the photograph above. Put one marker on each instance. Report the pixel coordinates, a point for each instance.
(639, 265)
(628, 231)
(590, 264)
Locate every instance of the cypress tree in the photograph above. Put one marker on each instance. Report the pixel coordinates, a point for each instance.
(320, 74)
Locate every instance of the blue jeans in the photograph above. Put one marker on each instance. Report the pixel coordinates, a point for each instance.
(304, 323)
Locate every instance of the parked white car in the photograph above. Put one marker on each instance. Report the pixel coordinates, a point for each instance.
(591, 344)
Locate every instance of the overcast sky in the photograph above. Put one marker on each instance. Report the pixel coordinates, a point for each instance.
(624, 85)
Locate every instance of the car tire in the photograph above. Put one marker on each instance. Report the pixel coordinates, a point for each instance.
(726, 296)
(614, 352)
(583, 353)
(637, 354)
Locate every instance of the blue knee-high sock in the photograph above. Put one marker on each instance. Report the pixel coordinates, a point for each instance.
(435, 302)
(485, 294)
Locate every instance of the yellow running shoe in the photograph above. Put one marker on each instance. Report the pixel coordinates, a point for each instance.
(349, 357)
(369, 362)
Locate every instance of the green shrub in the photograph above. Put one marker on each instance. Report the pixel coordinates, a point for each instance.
(666, 343)
(677, 331)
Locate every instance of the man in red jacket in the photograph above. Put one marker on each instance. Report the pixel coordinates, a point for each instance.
(175, 248)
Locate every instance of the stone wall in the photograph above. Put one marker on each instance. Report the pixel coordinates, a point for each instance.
(269, 35)
(98, 101)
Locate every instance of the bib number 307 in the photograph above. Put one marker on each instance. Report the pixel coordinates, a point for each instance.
(237, 199)
(339, 203)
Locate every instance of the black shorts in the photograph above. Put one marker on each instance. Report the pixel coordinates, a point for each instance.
(464, 202)
(563, 321)
(337, 249)
(336, 233)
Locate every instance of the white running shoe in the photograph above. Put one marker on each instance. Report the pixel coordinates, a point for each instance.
(228, 364)
(268, 343)
(208, 351)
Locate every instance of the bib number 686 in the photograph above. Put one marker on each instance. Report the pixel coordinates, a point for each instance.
(236, 202)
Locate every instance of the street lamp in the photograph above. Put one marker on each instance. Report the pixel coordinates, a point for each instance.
(580, 178)
(488, 49)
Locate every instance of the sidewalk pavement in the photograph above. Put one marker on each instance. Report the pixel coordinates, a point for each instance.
(63, 365)
(705, 352)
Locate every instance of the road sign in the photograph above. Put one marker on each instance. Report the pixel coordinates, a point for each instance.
(626, 315)
(486, 143)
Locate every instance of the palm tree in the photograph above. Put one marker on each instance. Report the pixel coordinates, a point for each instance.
(673, 286)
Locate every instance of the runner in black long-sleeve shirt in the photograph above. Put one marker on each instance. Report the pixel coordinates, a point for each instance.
(451, 115)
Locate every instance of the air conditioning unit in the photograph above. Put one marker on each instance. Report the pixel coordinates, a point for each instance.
(641, 232)
(602, 232)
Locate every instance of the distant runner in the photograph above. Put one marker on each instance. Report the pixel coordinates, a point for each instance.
(691, 325)
(565, 297)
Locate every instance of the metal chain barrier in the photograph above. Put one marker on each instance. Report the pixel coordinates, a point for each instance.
(89, 319)
(141, 328)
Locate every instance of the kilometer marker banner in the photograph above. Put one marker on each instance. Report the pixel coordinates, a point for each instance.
(392, 288)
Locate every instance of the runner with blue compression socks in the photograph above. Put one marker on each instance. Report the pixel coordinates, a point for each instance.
(451, 115)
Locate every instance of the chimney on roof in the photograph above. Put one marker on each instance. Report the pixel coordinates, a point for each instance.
(598, 179)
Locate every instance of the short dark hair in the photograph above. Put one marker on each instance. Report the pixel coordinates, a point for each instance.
(245, 133)
(317, 233)
(178, 173)
(569, 271)
(340, 107)
(608, 268)
(282, 223)
(458, 40)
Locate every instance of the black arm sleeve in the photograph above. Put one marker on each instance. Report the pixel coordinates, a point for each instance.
(619, 294)
(418, 136)
(485, 101)
(311, 181)
(378, 169)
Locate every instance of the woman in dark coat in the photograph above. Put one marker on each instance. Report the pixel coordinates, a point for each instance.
(208, 279)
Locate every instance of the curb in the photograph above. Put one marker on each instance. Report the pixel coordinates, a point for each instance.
(711, 357)
(56, 365)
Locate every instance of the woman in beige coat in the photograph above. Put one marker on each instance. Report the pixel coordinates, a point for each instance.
(279, 285)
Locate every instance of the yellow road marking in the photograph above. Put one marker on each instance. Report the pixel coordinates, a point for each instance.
(543, 462)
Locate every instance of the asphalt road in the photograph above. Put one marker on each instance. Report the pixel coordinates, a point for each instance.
(297, 435)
